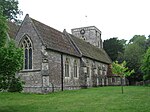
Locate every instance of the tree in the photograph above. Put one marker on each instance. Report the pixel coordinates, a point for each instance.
(147, 43)
(3, 30)
(121, 70)
(133, 55)
(10, 9)
(11, 61)
(146, 65)
(113, 47)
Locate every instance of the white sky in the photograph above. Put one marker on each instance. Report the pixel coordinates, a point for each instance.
(115, 18)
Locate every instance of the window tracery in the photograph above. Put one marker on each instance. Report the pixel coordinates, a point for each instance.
(27, 46)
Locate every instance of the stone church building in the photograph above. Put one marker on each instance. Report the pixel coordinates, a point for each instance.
(55, 60)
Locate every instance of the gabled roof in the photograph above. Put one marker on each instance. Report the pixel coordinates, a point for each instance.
(90, 51)
(12, 29)
(54, 39)
(66, 43)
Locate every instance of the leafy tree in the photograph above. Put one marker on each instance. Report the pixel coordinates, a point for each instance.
(133, 55)
(137, 39)
(11, 61)
(121, 70)
(10, 9)
(146, 65)
(3, 30)
(123, 42)
(113, 47)
(147, 43)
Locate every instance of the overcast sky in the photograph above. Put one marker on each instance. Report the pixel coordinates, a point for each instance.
(115, 18)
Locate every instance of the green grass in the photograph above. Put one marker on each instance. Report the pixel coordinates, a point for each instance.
(102, 99)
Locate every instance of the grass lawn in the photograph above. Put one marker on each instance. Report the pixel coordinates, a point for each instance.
(101, 99)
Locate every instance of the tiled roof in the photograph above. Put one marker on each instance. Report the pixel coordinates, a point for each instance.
(54, 39)
(66, 43)
(12, 29)
(91, 51)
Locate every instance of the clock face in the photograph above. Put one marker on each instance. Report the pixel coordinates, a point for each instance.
(82, 31)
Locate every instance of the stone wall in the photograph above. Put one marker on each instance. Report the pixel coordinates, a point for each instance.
(55, 71)
(54, 60)
(97, 75)
(71, 82)
(31, 77)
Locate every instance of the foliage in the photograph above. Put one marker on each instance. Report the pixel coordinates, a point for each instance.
(11, 61)
(147, 43)
(3, 30)
(146, 65)
(133, 55)
(138, 39)
(16, 85)
(103, 99)
(121, 69)
(10, 9)
(114, 47)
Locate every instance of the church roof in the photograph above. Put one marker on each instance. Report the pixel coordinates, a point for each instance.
(67, 43)
(54, 39)
(12, 29)
(90, 51)
(63, 42)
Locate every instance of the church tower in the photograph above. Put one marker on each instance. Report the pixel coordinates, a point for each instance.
(90, 34)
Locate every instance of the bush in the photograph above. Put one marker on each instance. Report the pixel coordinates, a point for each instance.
(15, 85)
(11, 61)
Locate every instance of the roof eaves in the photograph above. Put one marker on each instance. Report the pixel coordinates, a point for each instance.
(96, 60)
(63, 52)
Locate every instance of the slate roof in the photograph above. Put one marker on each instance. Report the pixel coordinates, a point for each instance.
(54, 39)
(90, 51)
(12, 29)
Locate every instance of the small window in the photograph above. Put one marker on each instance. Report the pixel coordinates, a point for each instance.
(67, 67)
(88, 71)
(75, 69)
(88, 68)
(113, 79)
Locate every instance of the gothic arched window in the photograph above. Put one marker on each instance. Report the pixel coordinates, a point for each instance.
(67, 67)
(75, 68)
(27, 46)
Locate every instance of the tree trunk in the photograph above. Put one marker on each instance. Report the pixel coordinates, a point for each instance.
(122, 85)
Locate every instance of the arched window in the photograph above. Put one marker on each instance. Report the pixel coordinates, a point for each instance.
(75, 68)
(27, 46)
(67, 67)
